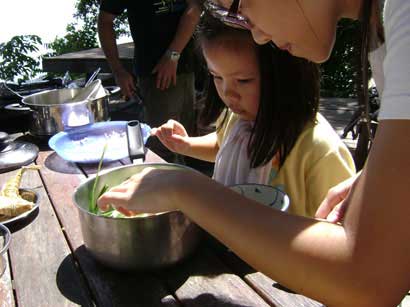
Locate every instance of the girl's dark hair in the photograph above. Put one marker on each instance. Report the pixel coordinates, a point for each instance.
(371, 36)
(289, 95)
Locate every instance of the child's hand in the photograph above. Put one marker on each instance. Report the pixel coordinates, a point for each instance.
(173, 135)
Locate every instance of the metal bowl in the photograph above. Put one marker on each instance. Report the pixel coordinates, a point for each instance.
(142, 243)
(5, 238)
(53, 110)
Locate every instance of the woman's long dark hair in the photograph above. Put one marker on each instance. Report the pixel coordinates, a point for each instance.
(371, 36)
(289, 95)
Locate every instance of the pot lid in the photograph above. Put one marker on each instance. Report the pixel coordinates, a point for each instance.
(14, 154)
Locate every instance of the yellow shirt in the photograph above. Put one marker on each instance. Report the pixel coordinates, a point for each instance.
(318, 161)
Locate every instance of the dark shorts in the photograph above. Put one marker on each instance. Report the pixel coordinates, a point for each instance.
(176, 102)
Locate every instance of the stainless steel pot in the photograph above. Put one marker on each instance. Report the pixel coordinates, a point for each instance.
(135, 243)
(53, 112)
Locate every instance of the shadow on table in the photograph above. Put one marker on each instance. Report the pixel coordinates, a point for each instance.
(55, 163)
(110, 287)
(19, 224)
(208, 299)
(131, 288)
(69, 283)
(236, 264)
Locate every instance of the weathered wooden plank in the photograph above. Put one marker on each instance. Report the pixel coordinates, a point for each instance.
(109, 288)
(271, 291)
(6, 288)
(91, 169)
(41, 261)
(203, 280)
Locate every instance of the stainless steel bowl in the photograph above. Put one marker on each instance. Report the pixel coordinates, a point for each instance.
(51, 112)
(5, 237)
(135, 243)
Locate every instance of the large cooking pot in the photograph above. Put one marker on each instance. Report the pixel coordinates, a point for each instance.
(54, 110)
(144, 242)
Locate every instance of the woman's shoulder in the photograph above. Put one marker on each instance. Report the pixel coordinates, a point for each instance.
(392, 4)
(396, 11)
(396, 66)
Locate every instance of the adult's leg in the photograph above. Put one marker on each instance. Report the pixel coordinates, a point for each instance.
(176, 102)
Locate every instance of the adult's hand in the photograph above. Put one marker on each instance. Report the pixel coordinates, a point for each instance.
(173, 135)
(150, 191)
(126, 82)
(166, 71)
(334, 206)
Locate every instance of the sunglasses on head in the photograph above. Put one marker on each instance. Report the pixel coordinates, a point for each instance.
(229, 17)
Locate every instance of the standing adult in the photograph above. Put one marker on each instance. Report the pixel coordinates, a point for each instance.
(366, 260)
(163, 58)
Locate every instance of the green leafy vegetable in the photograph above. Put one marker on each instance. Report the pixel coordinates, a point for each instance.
(92, 207)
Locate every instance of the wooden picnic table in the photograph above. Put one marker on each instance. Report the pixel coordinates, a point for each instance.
(87, 61)
(48, 264)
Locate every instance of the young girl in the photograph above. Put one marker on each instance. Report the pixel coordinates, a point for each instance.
(268, 130)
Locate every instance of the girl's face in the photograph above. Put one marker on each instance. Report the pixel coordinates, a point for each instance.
(305, 28)
(235, 70)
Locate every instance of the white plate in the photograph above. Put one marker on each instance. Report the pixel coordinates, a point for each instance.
(86, 144)
(25, 214)
(264, 194)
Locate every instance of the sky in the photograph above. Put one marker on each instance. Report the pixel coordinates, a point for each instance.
(45, 18)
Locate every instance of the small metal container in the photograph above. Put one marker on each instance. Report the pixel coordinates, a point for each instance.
(142, 243)
(52, 110)
(5, 238)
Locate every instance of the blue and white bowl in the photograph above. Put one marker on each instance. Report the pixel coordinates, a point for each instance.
(264, 194)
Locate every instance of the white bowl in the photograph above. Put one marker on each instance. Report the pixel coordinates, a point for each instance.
(264, 194)
(5, 238)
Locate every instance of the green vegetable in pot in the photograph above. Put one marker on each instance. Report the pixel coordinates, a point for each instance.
(92, 207)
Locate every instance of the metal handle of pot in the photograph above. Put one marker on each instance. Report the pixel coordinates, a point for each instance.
(112, 90)
(20, 106)
(13, 91)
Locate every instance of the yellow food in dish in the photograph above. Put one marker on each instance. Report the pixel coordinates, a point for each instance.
(13, 206)
(11, 202)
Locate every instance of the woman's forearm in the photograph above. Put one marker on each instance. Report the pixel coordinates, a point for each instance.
(337, 265)
(280, 245)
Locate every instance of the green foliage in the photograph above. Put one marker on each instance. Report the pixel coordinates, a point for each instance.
(339, 73)
(77, 38)
(89, 9)
(82, 33)
(16, 58)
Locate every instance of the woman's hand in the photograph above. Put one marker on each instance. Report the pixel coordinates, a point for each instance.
(150, 191)
(174, 136)
(334, 206)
